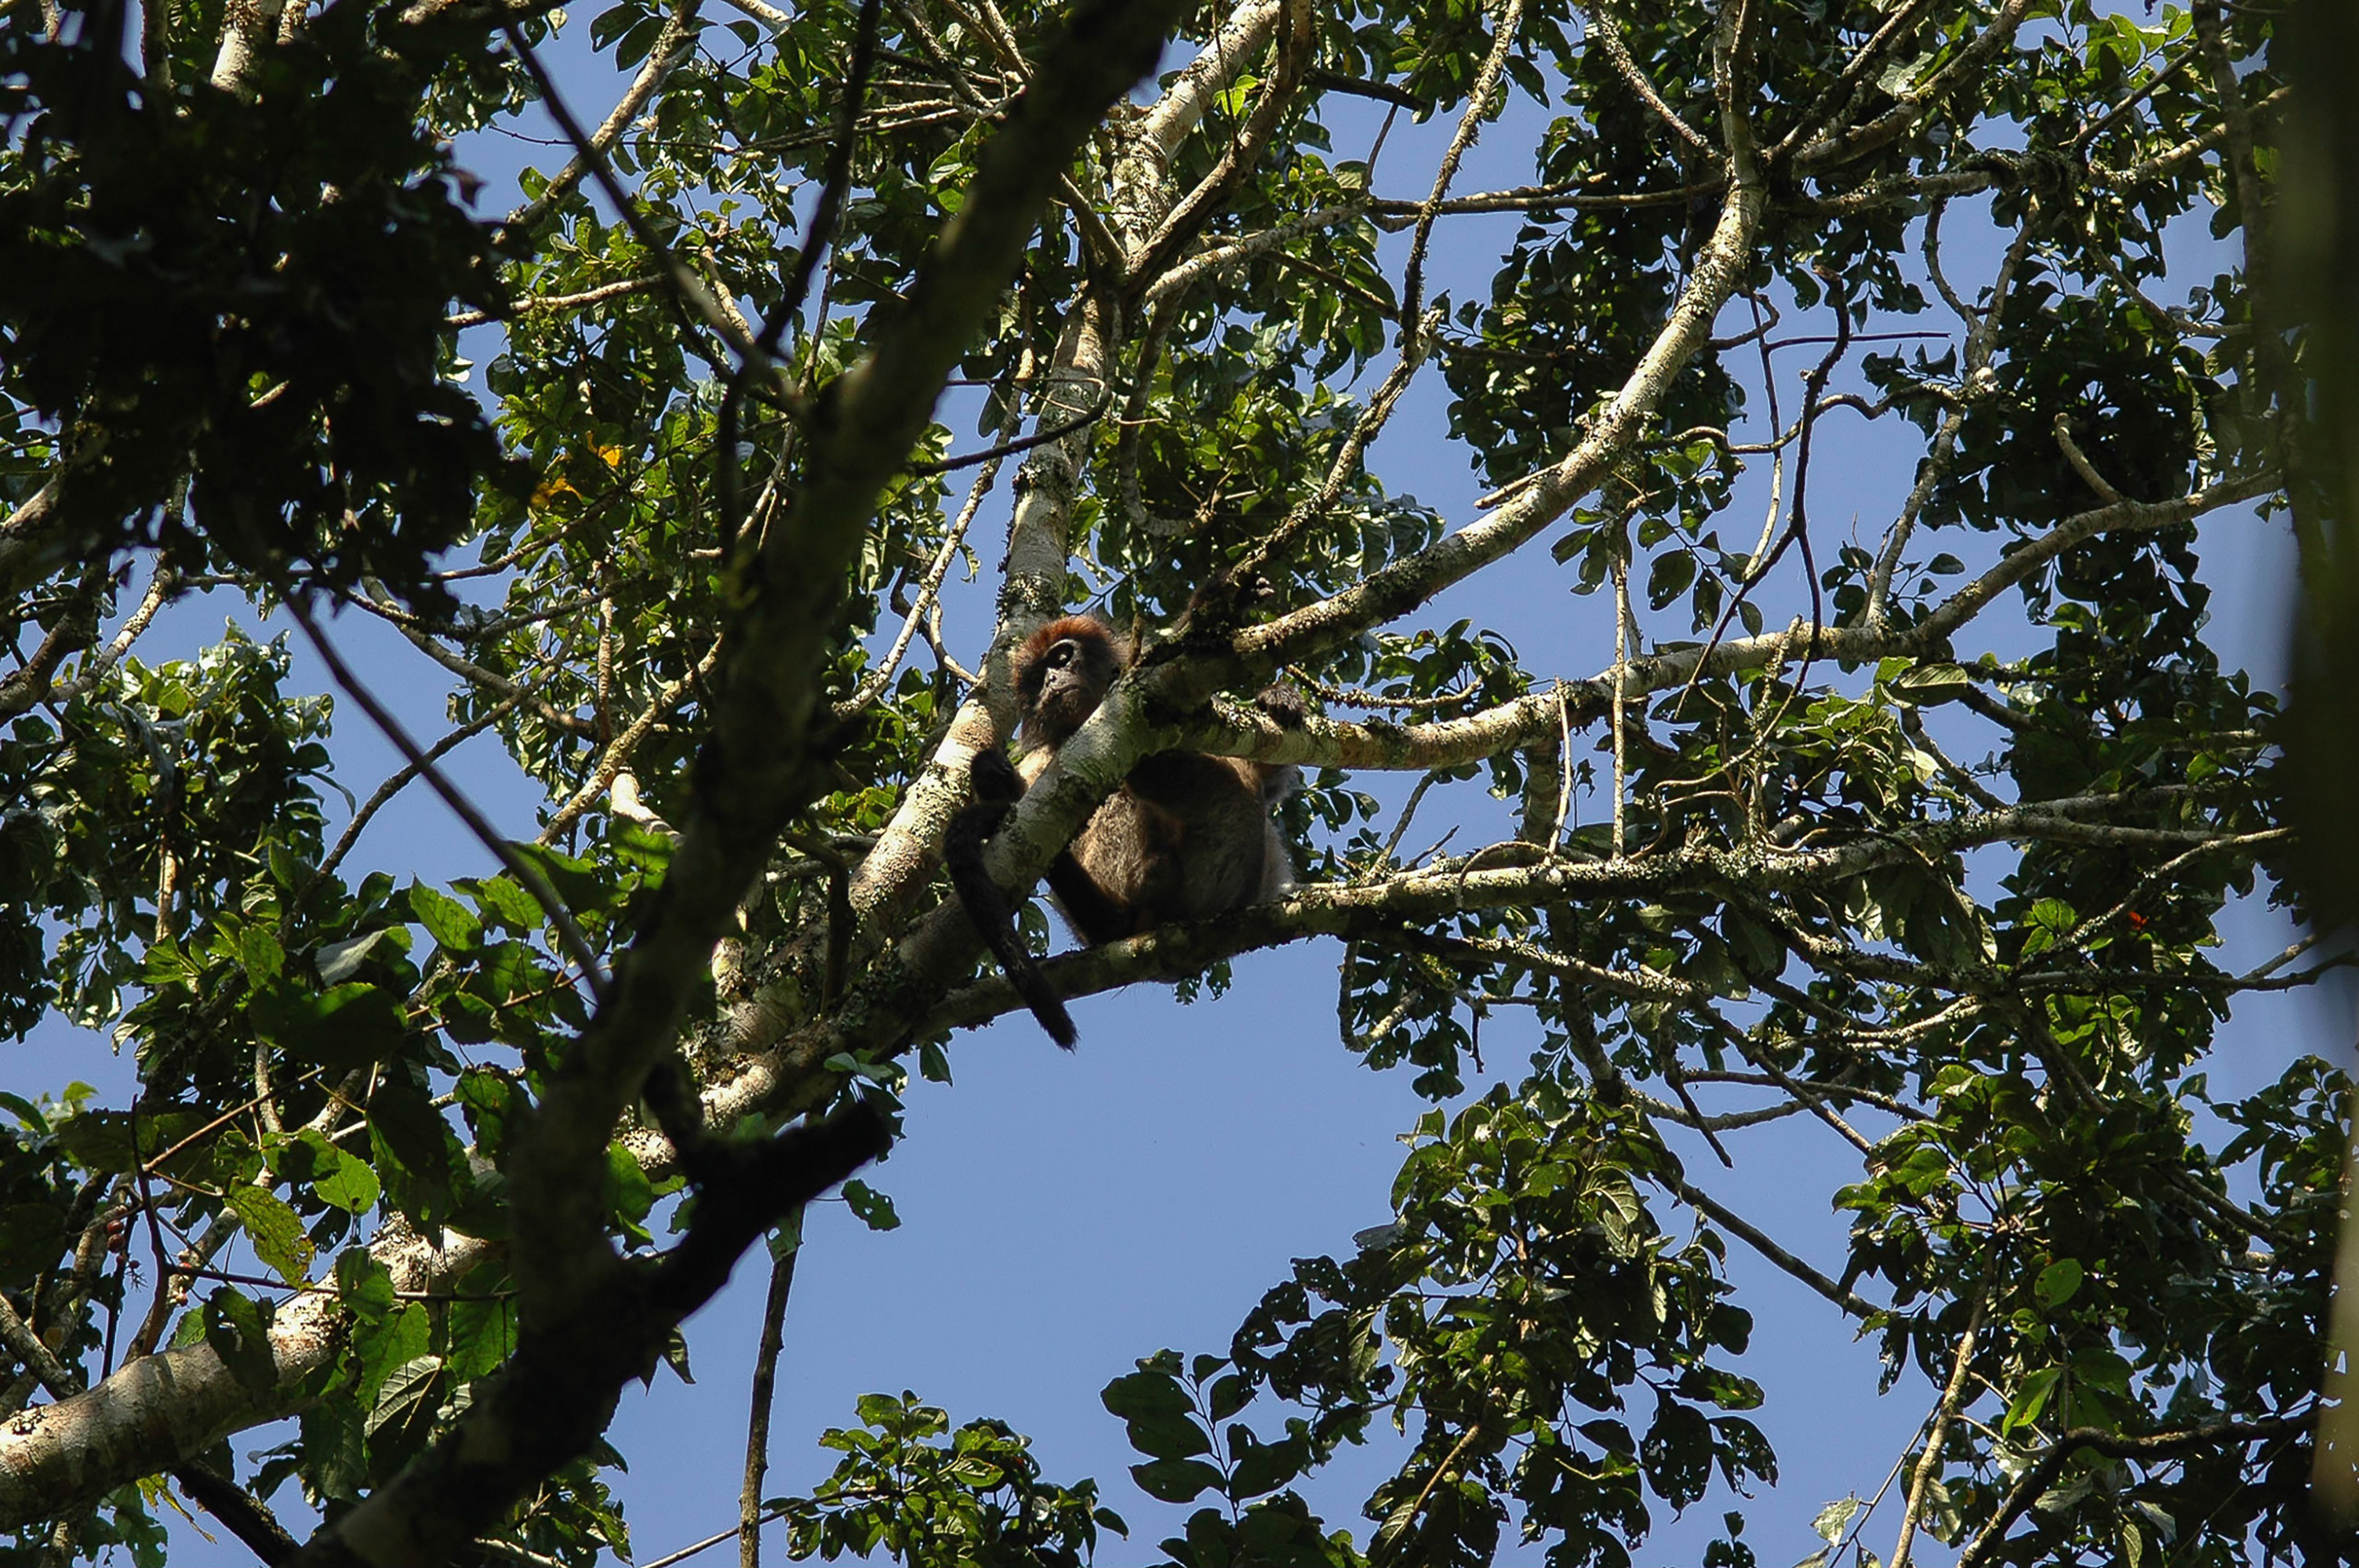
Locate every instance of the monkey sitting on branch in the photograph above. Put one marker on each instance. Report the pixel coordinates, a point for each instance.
(1187, 835)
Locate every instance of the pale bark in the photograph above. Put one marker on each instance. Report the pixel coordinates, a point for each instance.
(246, 27)
(162, 1409)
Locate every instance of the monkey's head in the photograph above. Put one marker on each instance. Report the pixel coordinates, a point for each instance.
(1062, 672)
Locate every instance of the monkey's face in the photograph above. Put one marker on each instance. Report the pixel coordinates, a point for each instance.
(1064, 687)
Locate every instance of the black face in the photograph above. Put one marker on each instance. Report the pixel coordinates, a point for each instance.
(1066, 686)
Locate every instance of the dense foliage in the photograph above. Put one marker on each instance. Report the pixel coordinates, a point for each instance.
(1920, 827)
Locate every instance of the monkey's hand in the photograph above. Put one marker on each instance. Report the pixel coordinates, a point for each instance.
(994, 778)
(1221, 604)
(1285, 704)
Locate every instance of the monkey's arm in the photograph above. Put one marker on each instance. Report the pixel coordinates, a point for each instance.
(996, 789)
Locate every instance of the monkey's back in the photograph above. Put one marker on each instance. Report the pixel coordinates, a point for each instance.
(1187, 837)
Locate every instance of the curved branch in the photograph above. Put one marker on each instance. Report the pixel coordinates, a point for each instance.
(763, 763)
(895, 1001)
(1181, 108)
(2113, 1445)
(1617, 52)
(1453, 743)
(672, 46)
(1404, 584)
(1470, 124)
(1187, 217)
(1914, 107)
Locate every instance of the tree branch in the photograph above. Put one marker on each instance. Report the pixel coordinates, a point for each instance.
(558, 1393)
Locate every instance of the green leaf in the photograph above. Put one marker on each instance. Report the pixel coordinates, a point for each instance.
(1149, 1391)
(630, 1192)
(675, 1355)
(364, 1286)
(237, 1328)
(2057, 1284)
(581, 884)
(405, 1394)
(1925, 685)
(1264, 1467)
(334, 1449)
(402, 1117)
(448, 922)
(412, 1150)
(338, 961)
(1835, 1518)
(1176, 1480)
(1172, 1436)
(481, 1336)
(506, 902)
(2031, 1396)
(933, 1063)
(400, 1337)
(342, 1028)
(872, 1207)
(100, 1140)
(278, 1236)
(340, 1179)
(1670, 577)
(259, 953)
(32, 1236)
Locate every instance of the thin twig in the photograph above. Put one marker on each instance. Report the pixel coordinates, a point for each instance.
(414, 628)
(1364, 430)
(1621, 686)
(527, 874)
(397, 784)
(2035, 1481)
(687, 288)
(531, 304)
(617, 754)
(1944, 1412)
(1397, 1527)
(927, 603)
(1184, 220)
(1564, 765)
(758, 1419)
(160, 589)
(1470, 122)
(674, 44)
(1617, 53)
(698, 1548)
(1759, 1239)
(1058, 432)
(819, 241)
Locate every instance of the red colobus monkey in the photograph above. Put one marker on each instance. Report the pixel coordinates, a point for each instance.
(1188, 835)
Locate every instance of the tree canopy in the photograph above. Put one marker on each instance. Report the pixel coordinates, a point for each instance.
(1918, 825)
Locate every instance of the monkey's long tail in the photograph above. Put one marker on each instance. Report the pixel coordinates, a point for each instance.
(986, 909)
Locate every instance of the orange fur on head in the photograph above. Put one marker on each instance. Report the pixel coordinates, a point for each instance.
(1062, 672)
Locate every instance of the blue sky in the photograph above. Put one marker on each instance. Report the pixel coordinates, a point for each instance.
(1063, 1215)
